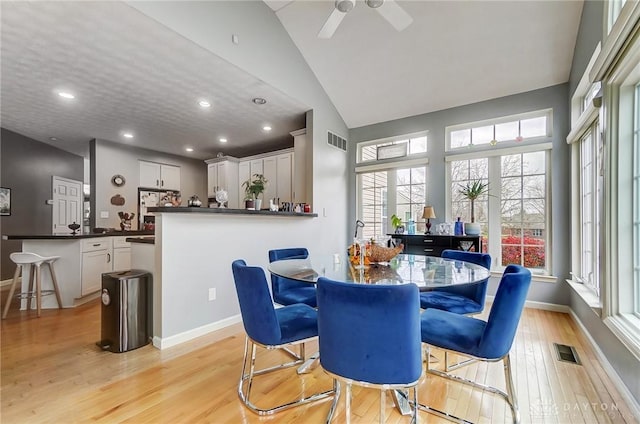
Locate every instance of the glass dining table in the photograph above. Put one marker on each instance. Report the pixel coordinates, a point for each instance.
(427, 272)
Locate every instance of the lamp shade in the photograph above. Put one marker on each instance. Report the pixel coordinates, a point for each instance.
(428, 212)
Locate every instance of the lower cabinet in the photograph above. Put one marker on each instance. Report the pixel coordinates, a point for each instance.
(93, 265)
(433, 244)
(121, 254)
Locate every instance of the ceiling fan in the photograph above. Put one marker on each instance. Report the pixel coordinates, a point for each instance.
(389, 9)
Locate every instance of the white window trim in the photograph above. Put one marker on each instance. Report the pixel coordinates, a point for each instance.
(392, 139)
(619, 245)
(494, 202)
(394, 164)
(497, 121)
(615, 41)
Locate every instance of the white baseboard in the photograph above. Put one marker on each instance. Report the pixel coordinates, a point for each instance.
(7, 283)
(166, 342)
(608, 368)
(540, 305)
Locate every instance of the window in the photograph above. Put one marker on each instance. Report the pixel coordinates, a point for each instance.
(518, 186)
(415, 144)
(615, 6)
(636, 203)
(400, 191)
(589, 206)
(517, 128)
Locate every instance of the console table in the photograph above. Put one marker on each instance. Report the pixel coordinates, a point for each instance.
(434, 244)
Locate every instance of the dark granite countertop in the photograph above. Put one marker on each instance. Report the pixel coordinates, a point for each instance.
(77, 236)
(187, 209)
(144, 240)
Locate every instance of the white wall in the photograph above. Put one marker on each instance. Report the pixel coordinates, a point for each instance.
(266, 51)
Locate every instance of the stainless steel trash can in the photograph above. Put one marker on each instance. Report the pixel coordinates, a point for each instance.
(126, 302)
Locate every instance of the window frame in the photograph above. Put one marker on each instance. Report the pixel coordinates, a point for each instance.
(548, 113)
(389, 141)
(494, 227)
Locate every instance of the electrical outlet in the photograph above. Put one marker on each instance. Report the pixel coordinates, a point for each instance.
(212, 293)
(104, 214)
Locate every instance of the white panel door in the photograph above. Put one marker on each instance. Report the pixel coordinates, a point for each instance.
(270, 172)
(67, 204)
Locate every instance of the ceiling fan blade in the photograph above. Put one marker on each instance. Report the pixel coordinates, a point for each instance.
(395, 15)
(330, 27)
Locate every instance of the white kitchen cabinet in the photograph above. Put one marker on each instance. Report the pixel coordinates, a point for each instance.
(270, 172)
(284, 177)
(257, 167)
(121, 254)
(96, 260)
(302, 163)
(244, 172)
(223, 175)
(157, 175)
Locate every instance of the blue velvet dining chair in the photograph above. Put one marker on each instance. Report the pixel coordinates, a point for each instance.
(488, 340)
(369, 335)
(463, 299)
(286, 291)
(271, 328)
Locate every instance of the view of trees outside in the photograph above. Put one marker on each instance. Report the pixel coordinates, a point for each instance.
(410, 189)
(411, 195)
(374, 203)
(522, 197)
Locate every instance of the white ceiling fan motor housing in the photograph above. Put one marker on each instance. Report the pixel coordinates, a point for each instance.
(345, 5)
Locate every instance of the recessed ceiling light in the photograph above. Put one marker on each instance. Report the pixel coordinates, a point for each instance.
(127, 135)
(189, 149)
(266, 128)
(258, 100)
(53, 139)
(66, 95)
(222, 140)
(204, 104)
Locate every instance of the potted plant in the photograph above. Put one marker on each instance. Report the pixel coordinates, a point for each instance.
(472, 190)
(254, 188)
(397, 224)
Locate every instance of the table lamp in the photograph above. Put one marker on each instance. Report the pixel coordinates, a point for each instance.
(427, 214)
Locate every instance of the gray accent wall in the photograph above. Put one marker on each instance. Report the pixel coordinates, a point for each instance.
(555, 97)
(27, 167)
(590, 33)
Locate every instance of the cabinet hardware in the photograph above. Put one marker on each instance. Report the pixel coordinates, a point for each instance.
(428, 250)
(108, 257)
(157, 183)
(161, 183)
(96, 244)
(428, 240)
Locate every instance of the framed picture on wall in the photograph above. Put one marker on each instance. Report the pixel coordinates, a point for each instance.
(5, 201)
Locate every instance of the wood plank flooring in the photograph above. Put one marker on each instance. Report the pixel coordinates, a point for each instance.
(53, 372)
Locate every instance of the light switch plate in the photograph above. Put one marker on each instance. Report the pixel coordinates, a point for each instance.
(104, 214)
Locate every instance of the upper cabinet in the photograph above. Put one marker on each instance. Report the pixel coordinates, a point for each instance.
(277, 168)
(223, 175)
(160, 176)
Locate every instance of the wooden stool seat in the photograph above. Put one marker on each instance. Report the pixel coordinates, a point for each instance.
(22, 259)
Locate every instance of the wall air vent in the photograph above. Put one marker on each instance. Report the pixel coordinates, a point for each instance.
(336, 141)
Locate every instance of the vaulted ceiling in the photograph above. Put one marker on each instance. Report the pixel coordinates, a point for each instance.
(130, 73)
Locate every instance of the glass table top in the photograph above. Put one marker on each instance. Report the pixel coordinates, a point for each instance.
(427, 272)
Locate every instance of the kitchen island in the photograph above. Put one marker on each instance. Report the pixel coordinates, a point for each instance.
(194, 291)
(83, 259)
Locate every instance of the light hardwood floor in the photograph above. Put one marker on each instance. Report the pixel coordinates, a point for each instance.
(53, 372)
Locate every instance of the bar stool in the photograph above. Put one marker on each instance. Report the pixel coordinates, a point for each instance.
(22, 259)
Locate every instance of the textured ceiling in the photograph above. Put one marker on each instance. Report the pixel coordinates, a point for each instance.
(454, 53)
(129, 73)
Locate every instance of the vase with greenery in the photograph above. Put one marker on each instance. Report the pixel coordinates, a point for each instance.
(398, 228)
(253, 188)
(472, 190)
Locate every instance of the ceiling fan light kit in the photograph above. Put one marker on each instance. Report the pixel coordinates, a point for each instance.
(389, 9)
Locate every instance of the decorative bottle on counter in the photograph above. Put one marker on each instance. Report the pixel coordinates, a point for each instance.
(458, 229)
